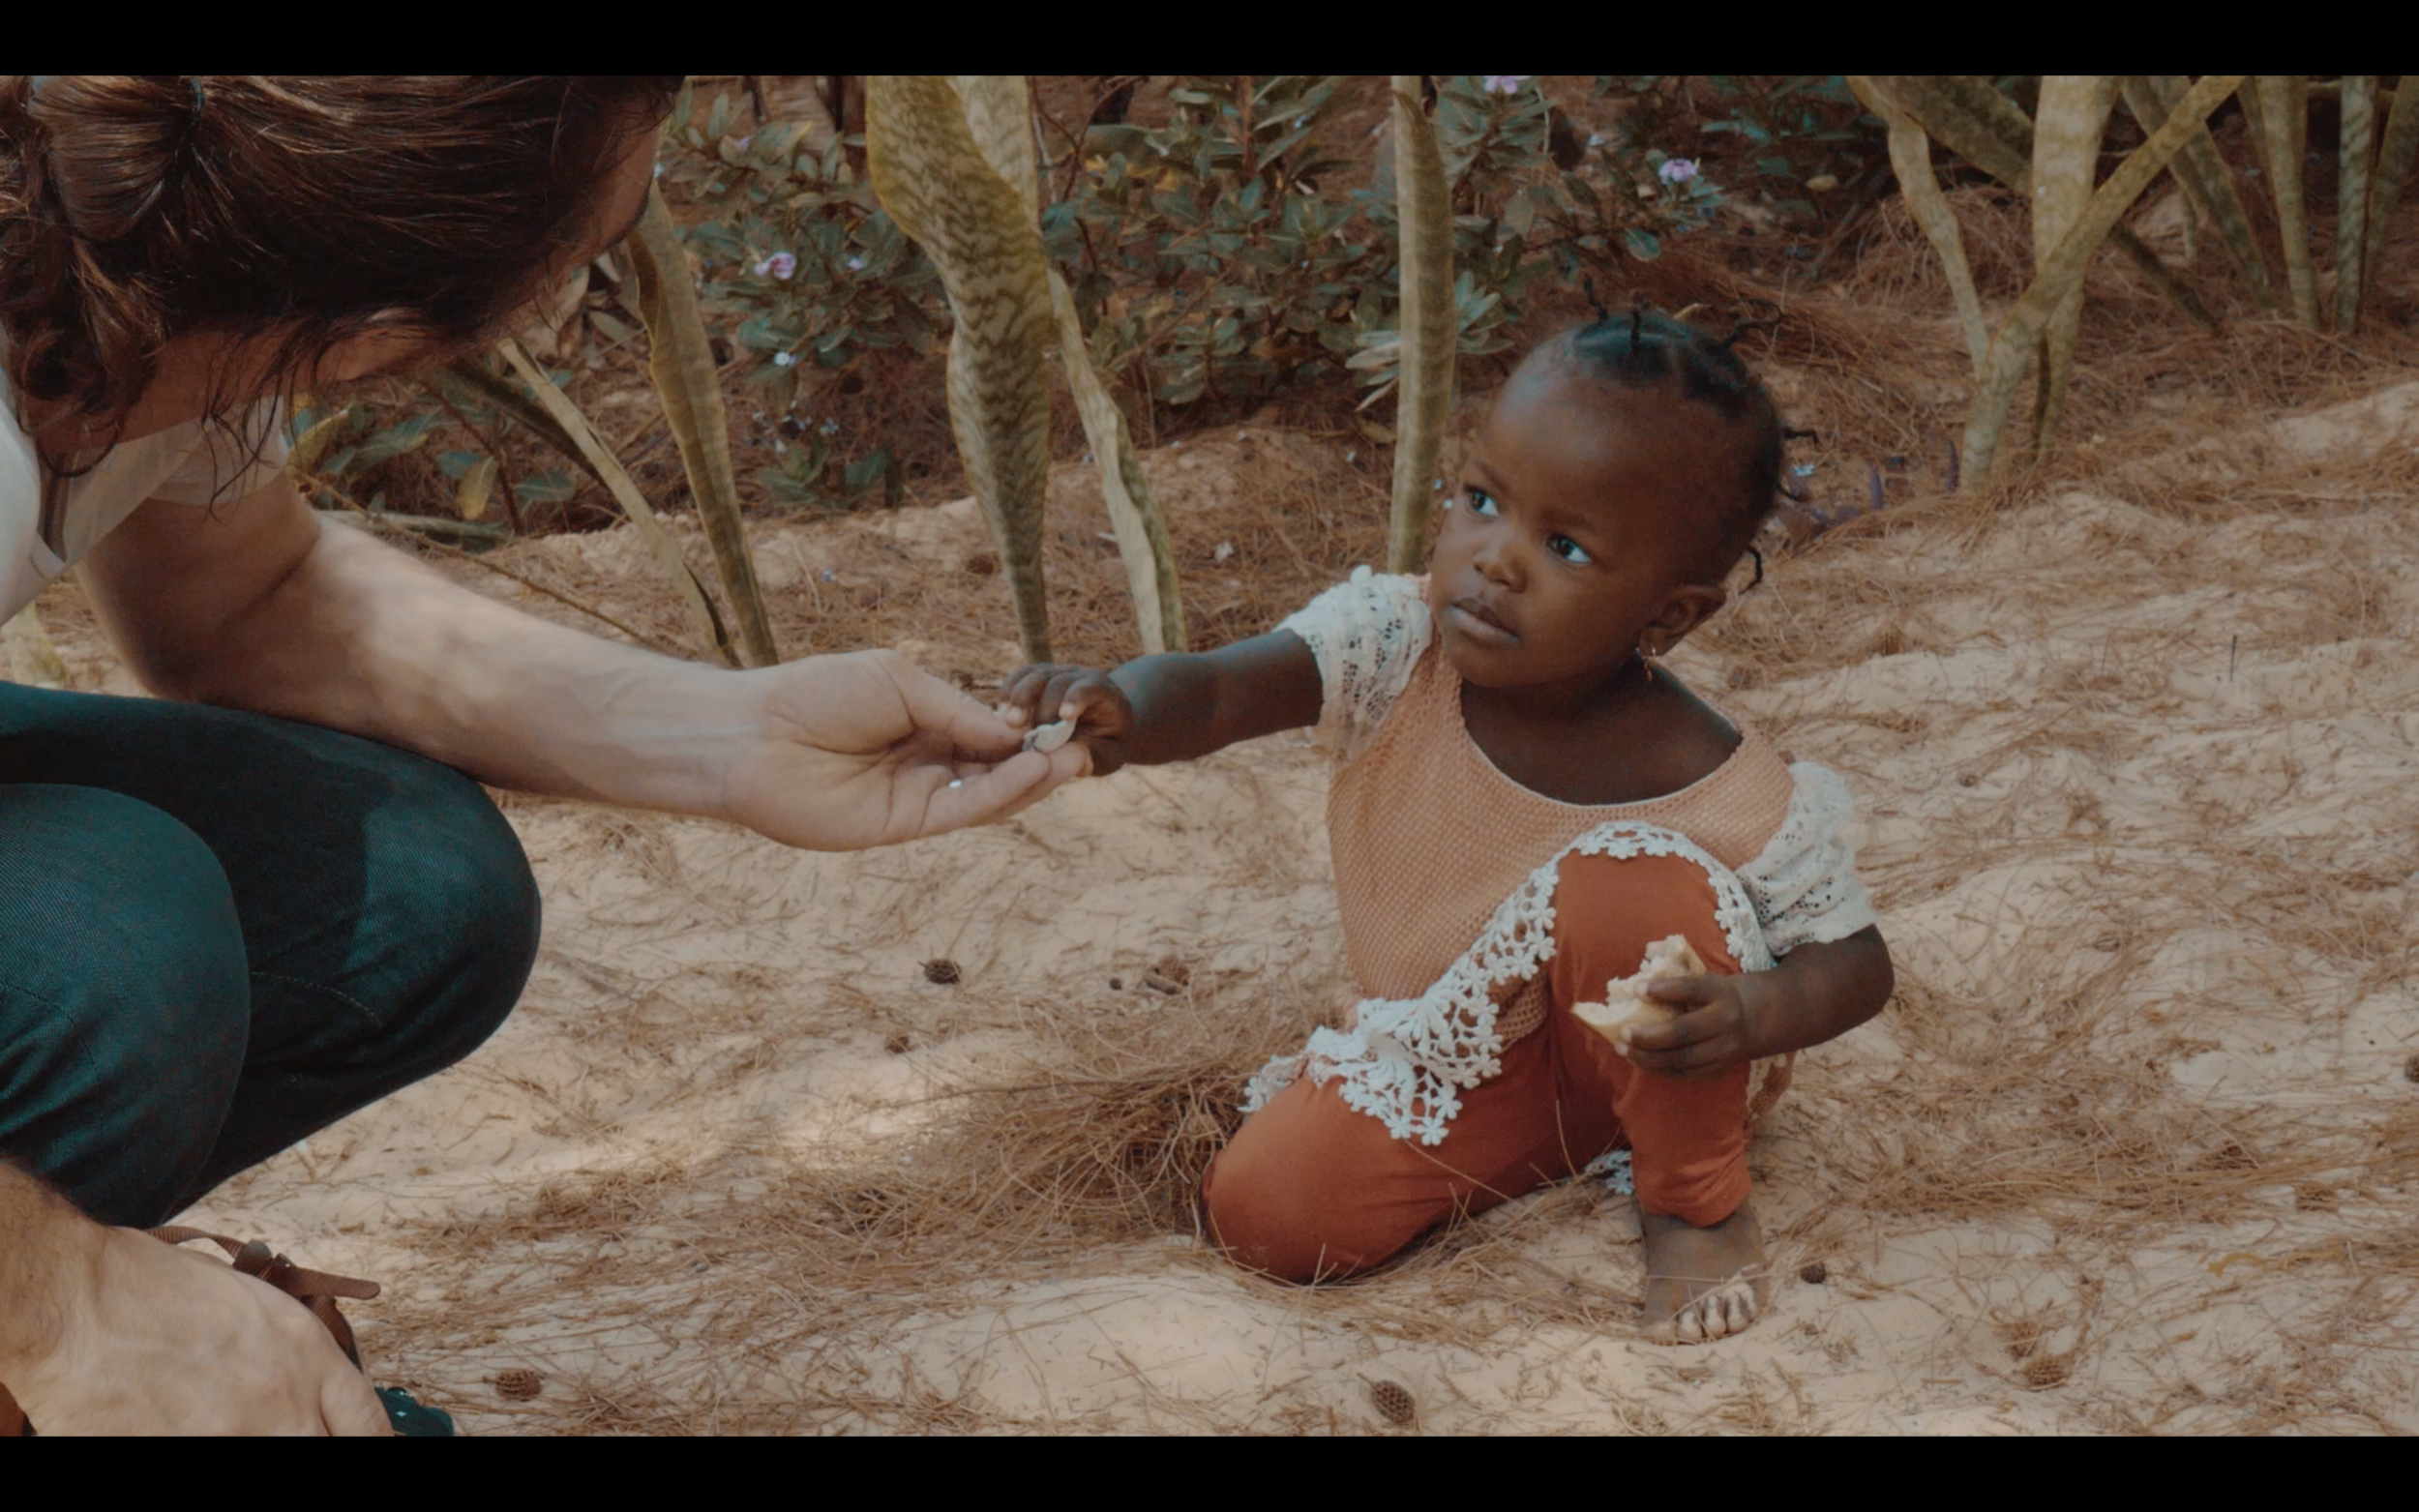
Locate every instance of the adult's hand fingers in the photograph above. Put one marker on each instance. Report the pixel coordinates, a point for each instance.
(934, 705)
(985, 796)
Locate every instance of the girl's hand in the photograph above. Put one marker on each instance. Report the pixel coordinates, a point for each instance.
(1104, 717)
(1713, 1033)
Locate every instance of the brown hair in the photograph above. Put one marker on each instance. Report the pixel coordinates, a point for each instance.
(301, 208)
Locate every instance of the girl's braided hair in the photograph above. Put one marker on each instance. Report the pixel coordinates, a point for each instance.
(301, 209)
(1646, 349)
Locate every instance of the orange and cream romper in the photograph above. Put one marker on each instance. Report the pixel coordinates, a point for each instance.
(1477, 914)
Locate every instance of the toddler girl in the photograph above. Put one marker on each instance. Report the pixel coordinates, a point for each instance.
(1524, 800)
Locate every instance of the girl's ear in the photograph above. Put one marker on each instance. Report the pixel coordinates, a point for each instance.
(1682, 610)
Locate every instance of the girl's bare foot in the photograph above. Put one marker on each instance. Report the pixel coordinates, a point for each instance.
(1702, 1284)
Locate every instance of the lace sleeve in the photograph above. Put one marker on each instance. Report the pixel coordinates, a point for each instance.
(1803, 884)
(1366, 634)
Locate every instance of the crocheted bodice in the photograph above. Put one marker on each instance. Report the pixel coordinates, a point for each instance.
(1429, 836)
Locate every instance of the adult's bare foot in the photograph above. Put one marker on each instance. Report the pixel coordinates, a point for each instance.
(1702, 1284)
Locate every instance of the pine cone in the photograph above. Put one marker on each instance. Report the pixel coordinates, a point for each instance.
(1393, 1401)
(518, 1385)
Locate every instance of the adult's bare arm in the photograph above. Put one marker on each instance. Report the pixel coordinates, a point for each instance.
(266, 604)
(109, 1331)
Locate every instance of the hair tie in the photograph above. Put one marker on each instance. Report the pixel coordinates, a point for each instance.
(1587, 285)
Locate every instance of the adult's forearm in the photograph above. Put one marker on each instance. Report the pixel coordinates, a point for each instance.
(49, 1254)
(359, 638)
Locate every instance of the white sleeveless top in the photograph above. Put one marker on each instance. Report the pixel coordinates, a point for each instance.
(183, 464)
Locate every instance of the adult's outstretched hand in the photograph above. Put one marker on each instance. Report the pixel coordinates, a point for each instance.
(866, 749)
(151, 1339)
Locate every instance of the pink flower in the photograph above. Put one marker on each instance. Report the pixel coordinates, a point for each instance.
(1502, 83)
(1676, 170)
(779, 265)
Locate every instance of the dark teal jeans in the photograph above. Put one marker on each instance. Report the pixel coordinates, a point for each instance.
(221, 931)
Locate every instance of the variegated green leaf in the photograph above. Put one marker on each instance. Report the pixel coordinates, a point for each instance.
(680, 360)
(2152, 97)
(2393, 154)
(999, 115)
(1911, 158)
(977, 229)
(608, 469)
(2062, 270)
(2355, 143)
(2284, 120)
(2072, 119)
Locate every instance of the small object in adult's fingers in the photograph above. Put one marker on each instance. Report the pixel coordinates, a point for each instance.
(941, 971)
(1625, 1005)
(518, 1385)
(1046, 738)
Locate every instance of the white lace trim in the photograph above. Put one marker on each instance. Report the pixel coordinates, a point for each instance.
(1403, 1059)
(1366, 634)
(1804, 883)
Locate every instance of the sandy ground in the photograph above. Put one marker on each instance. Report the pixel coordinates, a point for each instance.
(2135, 1148)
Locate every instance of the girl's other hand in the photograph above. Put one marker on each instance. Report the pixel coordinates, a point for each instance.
(1712, 1032)
(1103, 715)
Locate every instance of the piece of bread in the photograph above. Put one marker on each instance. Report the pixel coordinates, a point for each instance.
(1626, 1002)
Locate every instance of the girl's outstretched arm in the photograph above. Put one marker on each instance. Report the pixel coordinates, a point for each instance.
(1816, 992)
(1176, 706)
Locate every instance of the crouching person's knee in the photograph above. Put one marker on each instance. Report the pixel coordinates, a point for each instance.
(125, 999)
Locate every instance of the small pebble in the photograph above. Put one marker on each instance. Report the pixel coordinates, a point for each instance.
(941, 971)
(1814, 1275)
(1117, 984)
(898, 1044)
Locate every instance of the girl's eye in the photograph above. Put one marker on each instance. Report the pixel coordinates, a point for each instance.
(1482, 502)
(1568, 549)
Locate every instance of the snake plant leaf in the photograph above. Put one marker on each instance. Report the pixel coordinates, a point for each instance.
(2152, 98)
(935, 183)
(2062, 270)
(1970, 117)
(1942, 106)
(312, 444)
(2067, 128)
(600, 460)
(1426, 256)
(2393, 154)
(1911, 158)
(680, 360)
(2284, 121)
(999, 112)
(2356, 142)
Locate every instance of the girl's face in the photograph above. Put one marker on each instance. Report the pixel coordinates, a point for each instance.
(1565, 545)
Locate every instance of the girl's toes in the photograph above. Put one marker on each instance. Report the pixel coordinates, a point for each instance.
(1692, 1328)
(1740, 1308)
